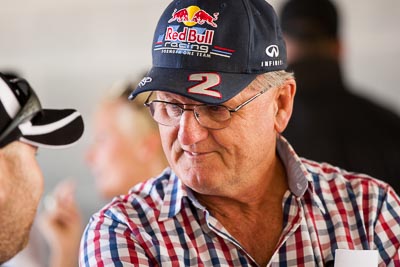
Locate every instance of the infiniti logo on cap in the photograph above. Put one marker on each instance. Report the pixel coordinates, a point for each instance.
(144, 81)
(272, 51)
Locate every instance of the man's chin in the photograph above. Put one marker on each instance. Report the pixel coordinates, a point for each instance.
(14, 248)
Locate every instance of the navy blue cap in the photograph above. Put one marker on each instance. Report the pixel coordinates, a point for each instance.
(210, 50)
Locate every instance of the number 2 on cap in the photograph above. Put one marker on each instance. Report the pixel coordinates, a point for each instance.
(207, 82)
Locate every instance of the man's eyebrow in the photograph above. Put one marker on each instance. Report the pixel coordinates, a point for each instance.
(165, 96)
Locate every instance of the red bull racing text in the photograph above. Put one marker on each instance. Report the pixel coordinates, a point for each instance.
(193, 39)
(190, 36)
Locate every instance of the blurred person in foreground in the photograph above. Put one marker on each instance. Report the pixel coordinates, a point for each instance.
(236, 193)
(126, 150)
(24, 127)
(356, 134)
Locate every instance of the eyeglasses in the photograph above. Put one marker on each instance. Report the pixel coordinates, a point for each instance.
(214, 117)
(27, 112)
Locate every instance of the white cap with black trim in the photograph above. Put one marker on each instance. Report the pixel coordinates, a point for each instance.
(22, 118)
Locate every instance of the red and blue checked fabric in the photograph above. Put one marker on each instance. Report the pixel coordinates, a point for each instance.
(160, 223)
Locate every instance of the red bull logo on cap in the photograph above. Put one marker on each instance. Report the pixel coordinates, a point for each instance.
(193, 15)
(192, 36)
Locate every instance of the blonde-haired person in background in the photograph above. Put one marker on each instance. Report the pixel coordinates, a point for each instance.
(126, 150)
(127, 147)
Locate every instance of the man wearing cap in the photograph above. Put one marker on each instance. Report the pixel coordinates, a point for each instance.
(236, 194)
(25, 126)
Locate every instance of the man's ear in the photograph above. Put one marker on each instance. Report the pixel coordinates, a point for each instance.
(284, 104)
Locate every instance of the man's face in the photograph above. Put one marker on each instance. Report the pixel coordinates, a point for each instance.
(21, 186)
(224, 161)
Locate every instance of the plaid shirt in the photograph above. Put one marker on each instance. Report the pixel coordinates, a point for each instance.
(160, 222)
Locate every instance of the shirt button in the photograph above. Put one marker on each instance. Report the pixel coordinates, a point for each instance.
(299, 186)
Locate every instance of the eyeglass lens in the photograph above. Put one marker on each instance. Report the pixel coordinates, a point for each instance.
(169, 114)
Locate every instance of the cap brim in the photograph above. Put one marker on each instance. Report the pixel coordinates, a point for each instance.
(208, 87)
(53, 128)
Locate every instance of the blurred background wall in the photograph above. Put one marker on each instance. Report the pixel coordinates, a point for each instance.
(72, 51)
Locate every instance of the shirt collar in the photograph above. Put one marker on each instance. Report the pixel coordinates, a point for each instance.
(300, 180)
(173, 197)
(175, 192)
(297, 174)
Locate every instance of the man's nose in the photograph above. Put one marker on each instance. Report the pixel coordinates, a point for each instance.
(190, 131)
